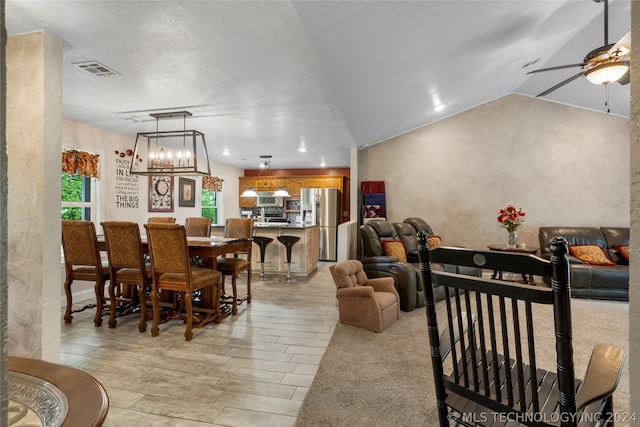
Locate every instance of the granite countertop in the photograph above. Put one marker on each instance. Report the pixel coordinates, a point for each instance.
(275, 225)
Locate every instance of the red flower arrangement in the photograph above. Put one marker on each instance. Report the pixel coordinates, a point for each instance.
(511, 218)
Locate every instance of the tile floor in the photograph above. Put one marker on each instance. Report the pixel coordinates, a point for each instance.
(252, 369)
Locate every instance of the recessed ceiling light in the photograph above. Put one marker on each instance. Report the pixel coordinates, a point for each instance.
(302, 150)
(225, 152)
(438, 108)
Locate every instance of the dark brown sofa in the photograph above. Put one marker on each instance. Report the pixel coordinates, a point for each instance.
(407, 277)
(377, 264)
(593, 281)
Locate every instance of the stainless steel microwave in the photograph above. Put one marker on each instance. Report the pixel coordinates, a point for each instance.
(267, 200)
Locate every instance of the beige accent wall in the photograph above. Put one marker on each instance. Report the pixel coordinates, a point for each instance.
(562, 165)
(34, 120)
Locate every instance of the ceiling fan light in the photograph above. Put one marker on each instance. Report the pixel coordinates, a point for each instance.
(606, 73)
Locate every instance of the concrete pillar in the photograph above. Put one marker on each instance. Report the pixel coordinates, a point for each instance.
(4, 398)
(634, 264)
(34, 133)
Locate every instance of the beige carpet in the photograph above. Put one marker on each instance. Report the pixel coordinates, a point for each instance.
(369, 379)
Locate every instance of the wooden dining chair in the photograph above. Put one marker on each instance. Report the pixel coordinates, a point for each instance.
(198, 227)
(82, 261)
(130, 275)
(161, 220)
(171, 270)
(236, 228)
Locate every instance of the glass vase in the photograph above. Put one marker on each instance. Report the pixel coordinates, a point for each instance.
(512, 239)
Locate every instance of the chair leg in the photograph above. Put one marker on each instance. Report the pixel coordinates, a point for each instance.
(156, 312)
(188, 334)
(234, 303)
(67, 292)
(249, 285)
(113, 304)
(142, 326)
(99, 289)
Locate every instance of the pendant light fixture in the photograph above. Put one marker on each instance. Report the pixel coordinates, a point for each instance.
(265, 165)
(175, 153)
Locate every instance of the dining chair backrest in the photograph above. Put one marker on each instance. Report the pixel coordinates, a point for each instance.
(198, 227)
(161, 219)
(168, 249)
(124, 246)
(80, 245)
(238, 228)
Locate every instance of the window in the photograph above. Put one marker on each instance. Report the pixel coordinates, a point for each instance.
(79, 197)
(209, 208)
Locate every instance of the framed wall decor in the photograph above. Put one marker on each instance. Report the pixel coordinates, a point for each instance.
(187, 192)
(160, 194)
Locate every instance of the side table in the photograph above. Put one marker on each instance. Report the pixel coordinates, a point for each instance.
(523, 250)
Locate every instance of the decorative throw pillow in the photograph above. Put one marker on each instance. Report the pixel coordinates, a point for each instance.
(395, 248)
(623, 250)
(590, 254)
(434, 242)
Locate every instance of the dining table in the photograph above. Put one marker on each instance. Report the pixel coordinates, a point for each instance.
(208, 249)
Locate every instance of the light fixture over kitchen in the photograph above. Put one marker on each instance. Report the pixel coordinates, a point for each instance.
(265, 165)
(176, 153)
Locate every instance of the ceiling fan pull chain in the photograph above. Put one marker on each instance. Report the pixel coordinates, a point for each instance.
(606, 102)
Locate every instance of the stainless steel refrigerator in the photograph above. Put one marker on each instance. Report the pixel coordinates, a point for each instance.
(320, 206)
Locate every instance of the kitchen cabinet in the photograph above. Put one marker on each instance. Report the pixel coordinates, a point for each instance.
(247, 183)
(324, 182)
(270, 184)
(294, 185)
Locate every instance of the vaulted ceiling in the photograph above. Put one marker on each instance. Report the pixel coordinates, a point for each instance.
(273, 77)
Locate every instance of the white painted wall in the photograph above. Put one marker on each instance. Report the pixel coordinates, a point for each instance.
(562, 165)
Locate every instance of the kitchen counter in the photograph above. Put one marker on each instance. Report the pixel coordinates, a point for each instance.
(304, 254)
(274, 225)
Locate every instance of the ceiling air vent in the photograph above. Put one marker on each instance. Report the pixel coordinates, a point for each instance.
(96, 68)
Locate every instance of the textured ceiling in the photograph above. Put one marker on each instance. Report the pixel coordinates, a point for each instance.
(272, 77)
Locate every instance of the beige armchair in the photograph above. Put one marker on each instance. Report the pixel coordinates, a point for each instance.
(371, 304)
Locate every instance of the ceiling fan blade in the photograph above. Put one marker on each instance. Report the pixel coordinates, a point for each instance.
(559, 67)
(559, 85)
(623, 45)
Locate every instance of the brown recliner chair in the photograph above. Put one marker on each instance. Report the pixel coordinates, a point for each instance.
(371, 304)
(377, 264)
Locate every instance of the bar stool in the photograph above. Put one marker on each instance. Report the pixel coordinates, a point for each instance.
(288, 242)
(262, 243)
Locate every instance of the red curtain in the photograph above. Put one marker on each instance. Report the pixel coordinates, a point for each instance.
(212, 183)
(80, 163)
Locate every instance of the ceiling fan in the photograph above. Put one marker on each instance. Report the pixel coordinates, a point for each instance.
(603, 65)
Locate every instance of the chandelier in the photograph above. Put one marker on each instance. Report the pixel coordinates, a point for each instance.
(176, 153)
(265, 165)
